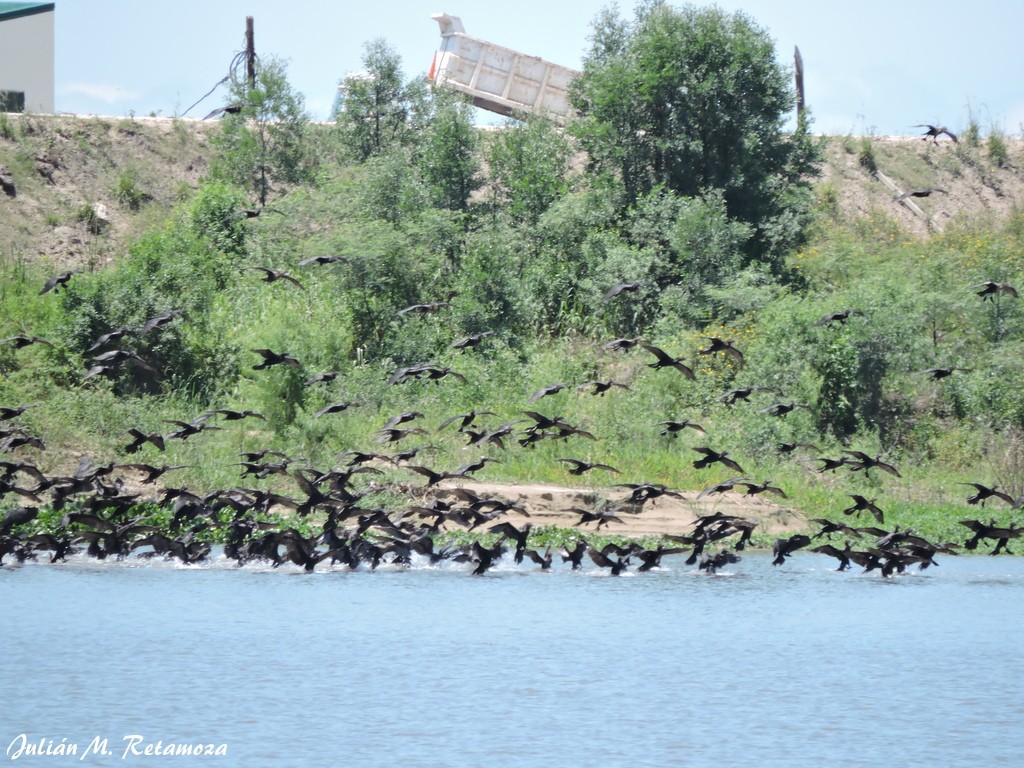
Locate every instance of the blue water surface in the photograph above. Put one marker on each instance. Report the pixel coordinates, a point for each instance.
(796, 665)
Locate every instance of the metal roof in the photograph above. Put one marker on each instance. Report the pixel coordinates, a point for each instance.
(15, 10)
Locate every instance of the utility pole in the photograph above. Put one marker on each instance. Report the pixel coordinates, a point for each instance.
(799, 61)
(250, 54)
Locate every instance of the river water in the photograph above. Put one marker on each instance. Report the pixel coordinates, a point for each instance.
(796, 665)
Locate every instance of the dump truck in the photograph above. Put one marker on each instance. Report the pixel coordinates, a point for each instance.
(499, 79)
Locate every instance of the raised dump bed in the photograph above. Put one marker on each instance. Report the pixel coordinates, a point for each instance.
(499, 79)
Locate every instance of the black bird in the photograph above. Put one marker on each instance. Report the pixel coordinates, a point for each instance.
(991, 531)
(57, 282)
(790, 447)
(711, 456)
(934, 131)
(159, 321)
(621, 345)
(984, 493)
(254, 213)
(227, 109)
(485, 558)
(831, 465)
(551, 389)
(322, 260)
(20, 342)
(274, 358)
(722, 487)
(674, 427)
(600, 387)
(722, 345)
(322, 378)
(152, 473)
(711, 563)
(335, 408)
(517, 535)
(644, 492)
(651, 558)
(575, 555)
(864, 462)
(187, 429)
(616, 566)
(232, 415)
(422, 309)
(665, 360)
(107, 338)
(937, 374)
(782, 409)
(433, 478)
(465, 420)
(601, 518)
(862, 504)
(743, 393)
(470, 342)
(783, 548)
(990, 289)
(842, 555)
(395, 434)
(922, 192)
(272, 276)
(620, 288)
(839, 317)
(544, 561)
(753, 489)
(17, 516)
(830, 527)
(9, 412)
(578, 467)
(476, 466)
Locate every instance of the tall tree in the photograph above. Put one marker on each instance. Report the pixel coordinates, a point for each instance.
(693, 99)
(379, 110)
(529, 165)
(446, 153)
(265, 139)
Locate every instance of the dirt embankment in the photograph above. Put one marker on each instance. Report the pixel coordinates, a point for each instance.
(552, 505)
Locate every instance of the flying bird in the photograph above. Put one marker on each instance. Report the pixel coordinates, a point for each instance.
(272, 276)
(159, 321)
(863, 504)
(984, 493)
(578, 467)
(922, 192)
(274, 358)
(57, 282)
(334, 408)
(600, 387)
(711, 456)
(665, 360)
(839, 317)
(934, 131)
(937, 374)
(20, 342)
(545, 391)
(322, 260)
(722, 345)
(620, 288)
(470, 342)
(674, 427)
(227, 109)
(990, 289)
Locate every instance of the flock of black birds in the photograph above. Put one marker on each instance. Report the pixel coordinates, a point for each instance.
(103, 518)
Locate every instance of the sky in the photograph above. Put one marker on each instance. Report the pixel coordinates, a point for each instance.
(872, 67)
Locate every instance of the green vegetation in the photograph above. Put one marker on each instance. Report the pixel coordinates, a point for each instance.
(521, 233)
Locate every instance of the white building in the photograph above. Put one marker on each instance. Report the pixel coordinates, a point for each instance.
(26, 57)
